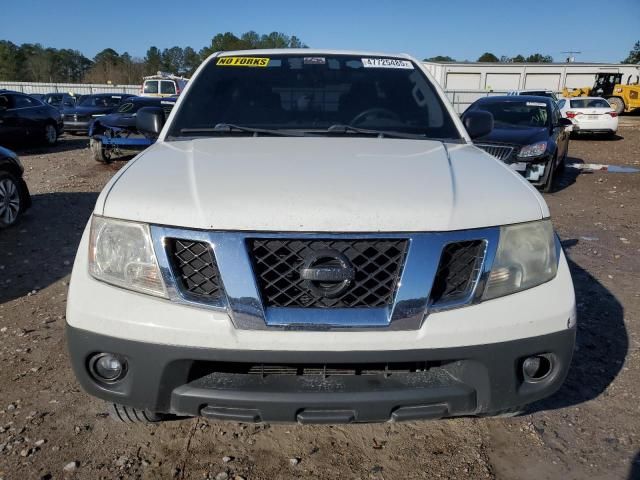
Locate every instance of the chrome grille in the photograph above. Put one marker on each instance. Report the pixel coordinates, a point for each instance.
(501, 152)
(278, 262)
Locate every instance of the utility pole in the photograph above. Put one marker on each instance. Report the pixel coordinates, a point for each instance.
(572, 53)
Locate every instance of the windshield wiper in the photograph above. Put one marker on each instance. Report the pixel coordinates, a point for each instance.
(230, 127)
(343, 128)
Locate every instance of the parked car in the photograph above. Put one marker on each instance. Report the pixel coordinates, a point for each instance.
(314, 238)
(89, 107)
(163, 85)
(116, 131)
(590, 115)
(535, 93)
(529, 135)
(24, 118)
(59, 100)
(14, 194)
(37, 96)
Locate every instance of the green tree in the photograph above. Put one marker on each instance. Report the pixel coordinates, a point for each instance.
(634, 54)
(518, 59)
(153, 60)
(539, 58)
(440, 58)
(9, 61)
(192, 61)
(173, 60)
(223, 42)
(488, 57)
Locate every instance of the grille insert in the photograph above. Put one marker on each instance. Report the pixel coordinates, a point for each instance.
(309, 370)
(195, 268)
(377, 266)
(501, 152)
(458, 271)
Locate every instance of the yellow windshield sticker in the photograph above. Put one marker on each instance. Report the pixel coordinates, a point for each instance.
(242, 61)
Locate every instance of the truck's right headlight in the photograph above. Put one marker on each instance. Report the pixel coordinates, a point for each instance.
(121, 253)
(526, 257)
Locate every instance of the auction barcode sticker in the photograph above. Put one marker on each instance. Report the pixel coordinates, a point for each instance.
(387, 63)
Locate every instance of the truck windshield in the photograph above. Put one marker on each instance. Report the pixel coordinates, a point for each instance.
(312, 94)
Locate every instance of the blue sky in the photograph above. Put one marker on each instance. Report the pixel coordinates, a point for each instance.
(463, 29)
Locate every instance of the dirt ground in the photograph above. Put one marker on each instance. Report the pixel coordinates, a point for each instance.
(589, 429)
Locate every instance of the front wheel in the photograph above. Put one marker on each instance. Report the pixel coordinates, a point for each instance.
(617, 104)
(10, 201)
(50, 134)
(99, 152)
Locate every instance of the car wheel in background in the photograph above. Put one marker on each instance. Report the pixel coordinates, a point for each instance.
(617, 104)
(50, 134)
(10, 202)
(100, 154)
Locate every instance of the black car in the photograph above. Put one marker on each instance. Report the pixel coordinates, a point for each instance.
(59, 100)
(23, 117)
(14, 194)
(89, 107)
(117, 131)
(529, 135)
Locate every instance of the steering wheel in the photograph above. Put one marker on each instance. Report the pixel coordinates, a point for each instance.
(376, 112)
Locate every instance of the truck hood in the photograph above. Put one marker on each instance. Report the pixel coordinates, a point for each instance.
(319, 185)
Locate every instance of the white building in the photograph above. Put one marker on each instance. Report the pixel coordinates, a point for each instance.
(465, 82)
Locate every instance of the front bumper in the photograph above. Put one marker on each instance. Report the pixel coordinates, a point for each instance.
(469, 380)
(79, 126)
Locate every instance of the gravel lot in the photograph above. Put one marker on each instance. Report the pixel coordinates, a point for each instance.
(49, 428)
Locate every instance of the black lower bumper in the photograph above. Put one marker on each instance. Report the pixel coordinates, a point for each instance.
(194, 381)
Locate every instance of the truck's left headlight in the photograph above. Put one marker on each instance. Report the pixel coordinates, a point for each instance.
(121, 253)
(526, 257)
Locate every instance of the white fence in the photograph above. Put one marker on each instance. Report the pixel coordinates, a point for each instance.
(77, 88)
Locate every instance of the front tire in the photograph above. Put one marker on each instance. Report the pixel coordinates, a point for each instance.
(50, 134)
(10, 200)
(130, 415)
(617, 103)
(99, 153)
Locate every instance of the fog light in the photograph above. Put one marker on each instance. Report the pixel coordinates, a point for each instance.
(536, 368)
(107, 367)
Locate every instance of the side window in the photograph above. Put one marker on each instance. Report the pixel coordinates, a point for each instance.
(561, 104)
(22, 101)
(167, 87)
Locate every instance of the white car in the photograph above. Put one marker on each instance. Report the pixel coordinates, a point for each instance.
(589, 115)
(314, 238)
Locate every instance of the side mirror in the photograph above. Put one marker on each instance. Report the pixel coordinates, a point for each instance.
(150, 120)
(478, 123)
(564, 122)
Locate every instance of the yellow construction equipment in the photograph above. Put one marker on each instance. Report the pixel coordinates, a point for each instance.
(622, 97)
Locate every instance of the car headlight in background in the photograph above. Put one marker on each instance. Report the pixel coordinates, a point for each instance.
(121, 253)
(534, 150)
(526, 257)
(96, 115)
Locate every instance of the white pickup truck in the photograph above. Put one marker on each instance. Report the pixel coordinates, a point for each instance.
(314, 238)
